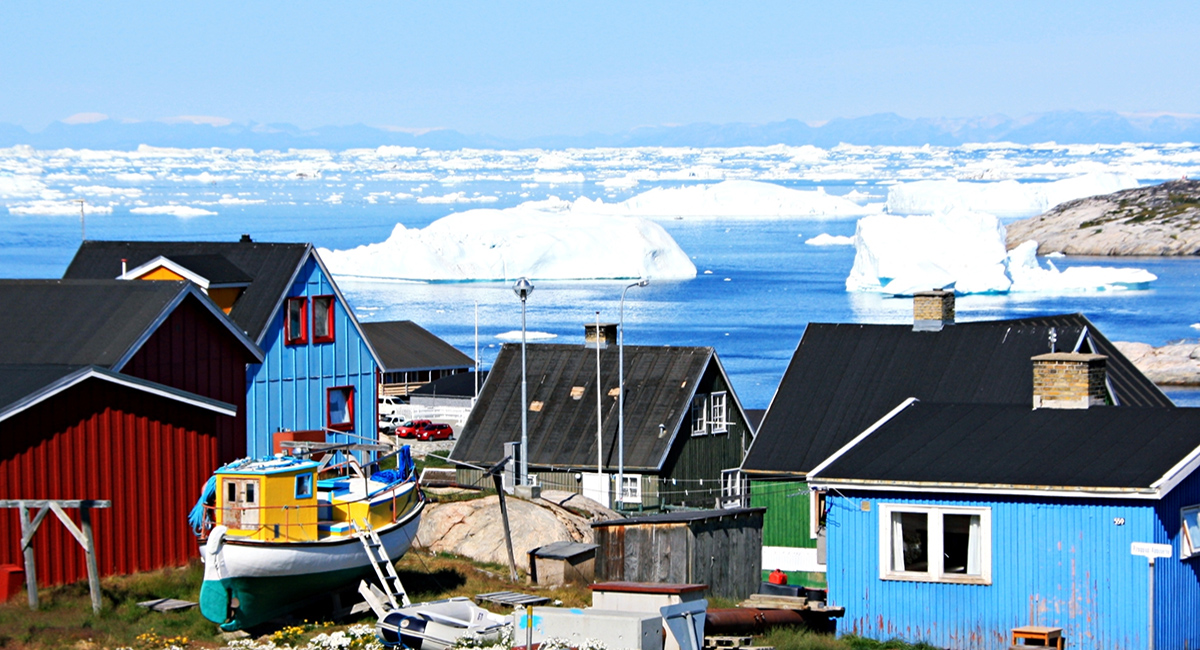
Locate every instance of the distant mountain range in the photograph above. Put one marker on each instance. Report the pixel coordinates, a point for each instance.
(1064, 127)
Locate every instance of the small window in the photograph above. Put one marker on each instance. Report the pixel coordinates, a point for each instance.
(700, 415)
(322, 317)
(304, 483)
(631, 488)
(716, 413)
(296, 325)
(935, 544)
(1189, 540)
(339, 408)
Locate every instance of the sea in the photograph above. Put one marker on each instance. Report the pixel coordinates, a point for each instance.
(758, 283)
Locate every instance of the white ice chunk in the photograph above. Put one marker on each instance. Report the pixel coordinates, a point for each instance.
(524, 241)
(515, 335)
(181, 211)
(1029, 276)
(826, 239)
(1005, 199)
(56, 209)
(730, 199)
(20, 186)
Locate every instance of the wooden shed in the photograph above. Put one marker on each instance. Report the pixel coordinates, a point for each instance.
(720, 548)
(559, 563)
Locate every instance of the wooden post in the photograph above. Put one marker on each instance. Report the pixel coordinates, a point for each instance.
(85, 519)
(512, 563)
(29, 526)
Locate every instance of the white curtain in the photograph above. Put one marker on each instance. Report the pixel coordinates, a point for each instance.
(974, 542)
(897, 542)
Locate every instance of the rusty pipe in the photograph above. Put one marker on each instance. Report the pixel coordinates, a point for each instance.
(740, 620)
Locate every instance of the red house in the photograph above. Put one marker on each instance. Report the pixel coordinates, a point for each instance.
(132, 392)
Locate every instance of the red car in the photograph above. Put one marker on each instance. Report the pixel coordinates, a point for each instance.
(411, 428)
(435, 432)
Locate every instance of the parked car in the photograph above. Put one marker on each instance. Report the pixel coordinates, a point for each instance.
(411, 428)
(437, 431)
(388, 423)
(389, 405)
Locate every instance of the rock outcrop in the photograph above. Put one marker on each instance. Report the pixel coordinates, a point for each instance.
(1158, 220)
(1175, 364)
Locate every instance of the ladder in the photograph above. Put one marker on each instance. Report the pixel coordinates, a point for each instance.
(392, 588)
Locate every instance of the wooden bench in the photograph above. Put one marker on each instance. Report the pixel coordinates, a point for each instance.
(1048, 636)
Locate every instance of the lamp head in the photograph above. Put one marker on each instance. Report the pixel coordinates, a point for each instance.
(643, 282)
(522, 288)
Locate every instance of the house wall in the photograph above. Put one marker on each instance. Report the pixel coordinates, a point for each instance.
(192, 351)
(788, 543)
(149, 455)
(1176, 581)
(1055, 562)
(287, 390)
(692, 472)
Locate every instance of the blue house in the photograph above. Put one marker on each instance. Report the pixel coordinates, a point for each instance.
(319, 373)
(955, 523)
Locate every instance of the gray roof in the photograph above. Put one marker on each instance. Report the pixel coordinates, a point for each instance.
(269, 269)
(843, 377)
(679, 517)
(404, 345)
(660, 382)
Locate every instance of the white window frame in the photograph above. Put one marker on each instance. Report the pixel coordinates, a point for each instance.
(631, 491)
(718, 411)
(700, 415)
(1189, 545)
(935, 552)
(816, 512)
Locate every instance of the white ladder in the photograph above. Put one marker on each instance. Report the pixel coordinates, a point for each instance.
(392, 587)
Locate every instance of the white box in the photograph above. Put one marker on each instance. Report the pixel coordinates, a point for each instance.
(616, 630)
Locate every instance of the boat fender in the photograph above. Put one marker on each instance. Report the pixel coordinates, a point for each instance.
(215, 539)
(396, 628)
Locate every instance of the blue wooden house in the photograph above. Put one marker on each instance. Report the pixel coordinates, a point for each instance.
(319, 373)
(956, 523)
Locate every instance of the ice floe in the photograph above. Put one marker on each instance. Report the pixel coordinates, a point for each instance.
(1005, 199)
(729, 199)
(826, 239)
(181, 211)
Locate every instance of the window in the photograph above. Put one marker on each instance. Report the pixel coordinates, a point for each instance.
(935, 543)
(339, 408)
(716, 413)
(700, 415)
(1189, 540)
(322, 319)
(631, 488)
(296, 324)
(304, 483)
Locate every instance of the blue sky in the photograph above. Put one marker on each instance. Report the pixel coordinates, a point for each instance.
(538, 68)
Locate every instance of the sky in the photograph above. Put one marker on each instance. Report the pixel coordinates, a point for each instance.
(521, 69)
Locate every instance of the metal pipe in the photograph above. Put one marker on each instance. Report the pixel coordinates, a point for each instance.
(740, 620)
(621, 395)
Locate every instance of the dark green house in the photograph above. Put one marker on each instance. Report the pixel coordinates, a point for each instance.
(685, 429)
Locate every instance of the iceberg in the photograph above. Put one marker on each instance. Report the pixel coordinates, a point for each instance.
(965, 251)
(826, 239)
(729, 199)
(533, 241)
(1006, 199)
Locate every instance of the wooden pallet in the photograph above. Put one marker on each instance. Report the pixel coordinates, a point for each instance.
(726, 641)
(511, 599)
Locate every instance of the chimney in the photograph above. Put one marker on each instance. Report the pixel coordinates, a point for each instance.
(933, 310)
(1069, 380)
(246, 239)
(608, 335)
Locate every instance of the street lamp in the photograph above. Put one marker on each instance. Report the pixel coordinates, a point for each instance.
(522, 288)
(621, 393)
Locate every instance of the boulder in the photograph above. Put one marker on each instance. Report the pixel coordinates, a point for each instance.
(1174, 364)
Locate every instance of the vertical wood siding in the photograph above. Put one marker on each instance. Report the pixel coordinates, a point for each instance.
(1062, 563)
(786, 522)
(1176, 581)
(97, 440)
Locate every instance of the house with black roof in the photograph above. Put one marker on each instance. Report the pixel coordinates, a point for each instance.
(953, 524)
(684, 426)
(121, 391)
(843, 377)
(411, 356)
(319, 372)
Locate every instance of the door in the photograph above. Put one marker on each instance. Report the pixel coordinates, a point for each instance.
(241, 503)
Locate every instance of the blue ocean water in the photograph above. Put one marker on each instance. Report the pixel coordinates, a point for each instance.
(758, 286)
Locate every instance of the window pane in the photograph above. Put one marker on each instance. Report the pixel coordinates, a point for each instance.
(295, 320)
(338, 411)
(250, 492)
(910, 541)
(960, 543)
(321, 309)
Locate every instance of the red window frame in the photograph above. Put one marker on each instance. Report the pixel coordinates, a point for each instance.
(328, 337)
(340, 426)
(290, 336)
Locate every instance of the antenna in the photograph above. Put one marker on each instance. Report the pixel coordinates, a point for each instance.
(1053, 338)
(82, 225)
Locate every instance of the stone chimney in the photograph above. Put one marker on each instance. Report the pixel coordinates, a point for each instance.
(932, 310)
(608, 335)
(1069, 380)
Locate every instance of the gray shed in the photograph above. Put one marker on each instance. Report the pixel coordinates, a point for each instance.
(559, 563)
(721, 548)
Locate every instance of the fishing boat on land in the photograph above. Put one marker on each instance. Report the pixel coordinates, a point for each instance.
(279, 531)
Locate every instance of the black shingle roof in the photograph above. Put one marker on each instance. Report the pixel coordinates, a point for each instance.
(997, 445)
(269, 268)
(80, 322)
(404, 345)
(843, 377)
(659, 384)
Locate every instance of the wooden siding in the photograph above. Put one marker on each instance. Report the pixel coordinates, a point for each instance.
(148, 455)
(786, 522)
(1176, 582)
(287, 391)
(192, 351)
(692, 472)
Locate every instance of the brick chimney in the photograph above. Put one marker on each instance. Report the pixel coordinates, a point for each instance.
(932, 310)
(608, 335)
(1069, 380)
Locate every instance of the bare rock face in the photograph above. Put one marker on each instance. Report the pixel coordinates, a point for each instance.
(474, 528)
(1176, 364)
(1159, 220)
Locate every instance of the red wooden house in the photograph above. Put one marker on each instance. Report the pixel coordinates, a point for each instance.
(132, 392)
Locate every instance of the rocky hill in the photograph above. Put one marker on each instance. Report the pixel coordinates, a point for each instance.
(1157, 220)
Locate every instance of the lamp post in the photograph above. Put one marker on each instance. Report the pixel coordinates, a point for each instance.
(522, 288)
(621, 393)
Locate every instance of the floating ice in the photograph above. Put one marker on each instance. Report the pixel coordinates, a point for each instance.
(965, 250)
(736, 199)
(1002, 198)
(515, 335)
(56, 209)
(524, 241)
(181, 211)
(826, 239)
